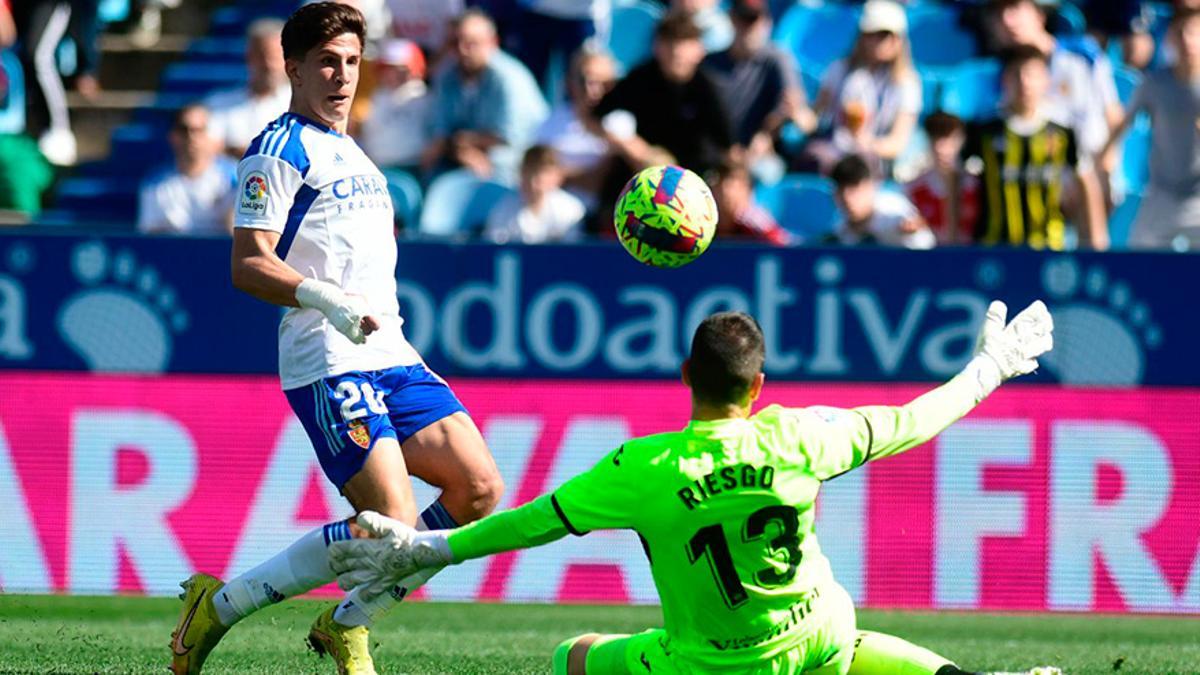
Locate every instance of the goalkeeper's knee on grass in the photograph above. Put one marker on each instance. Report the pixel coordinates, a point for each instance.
(881, 654)
(590, 653)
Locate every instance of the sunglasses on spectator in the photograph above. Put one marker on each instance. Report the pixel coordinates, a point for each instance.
(879, 34)
(189, 129)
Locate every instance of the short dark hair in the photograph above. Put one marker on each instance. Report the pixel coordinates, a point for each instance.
(539, 157)
(1019, 55)
(1183, 14)
(731, 168)
(727, 354)
(941, 124)
(676, 27)
(313, 25)
(850, 170)
(177, 117)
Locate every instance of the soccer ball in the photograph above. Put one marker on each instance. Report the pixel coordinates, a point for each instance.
(665, 216)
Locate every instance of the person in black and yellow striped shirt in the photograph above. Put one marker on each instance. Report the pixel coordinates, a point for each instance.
(1027, 163)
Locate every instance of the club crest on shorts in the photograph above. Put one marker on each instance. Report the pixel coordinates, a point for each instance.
(358, 433)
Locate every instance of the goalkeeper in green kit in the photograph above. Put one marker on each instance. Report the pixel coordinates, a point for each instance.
(725, 509)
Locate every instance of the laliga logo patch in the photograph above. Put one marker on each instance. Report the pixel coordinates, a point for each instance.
(253, 199)
(359, 434)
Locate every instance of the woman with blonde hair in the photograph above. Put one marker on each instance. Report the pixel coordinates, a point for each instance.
(870, 101)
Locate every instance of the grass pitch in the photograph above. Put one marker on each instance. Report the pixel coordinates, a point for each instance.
(56, 634)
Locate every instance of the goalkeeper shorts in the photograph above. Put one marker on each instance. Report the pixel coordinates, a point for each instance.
(826, 648)
(345, 415)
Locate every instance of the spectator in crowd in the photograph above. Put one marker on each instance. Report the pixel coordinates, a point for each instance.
(1125, 21)
(144, 25)
(716, 30)
(487, 105)
(42, 24)
(758, 82)
(1083, 91)
(542, 211)
(739, 217)
(238, 115)
(426, 22)
(676, 104)
(8, 27)
(871, 100)
(946, 196)
(394, 134)
(583, 154)
(874, 216)
(546, 31)
(1170, 208)
(1027, 163)
(195, 196)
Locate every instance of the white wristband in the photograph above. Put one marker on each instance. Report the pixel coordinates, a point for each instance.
(319, 295)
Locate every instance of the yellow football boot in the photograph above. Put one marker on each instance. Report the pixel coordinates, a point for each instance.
(347, 645)
(198, 629)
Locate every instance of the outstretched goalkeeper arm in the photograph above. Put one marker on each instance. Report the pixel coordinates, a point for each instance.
(396, 550)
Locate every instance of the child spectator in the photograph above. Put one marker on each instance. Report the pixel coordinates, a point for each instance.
(542, 211)
(946, 196)
(738, 216)
(1171, 205)
(1028, 163)
(872, 99)
(874, 216)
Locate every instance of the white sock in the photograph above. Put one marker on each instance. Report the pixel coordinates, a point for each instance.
(298, 569)
(355, 611)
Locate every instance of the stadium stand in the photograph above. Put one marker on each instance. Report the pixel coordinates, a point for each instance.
(803, 204)
(457, 204)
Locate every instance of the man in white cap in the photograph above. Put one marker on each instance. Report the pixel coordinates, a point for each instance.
(394, 132)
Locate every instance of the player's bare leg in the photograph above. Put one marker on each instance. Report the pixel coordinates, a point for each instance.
(449, 454)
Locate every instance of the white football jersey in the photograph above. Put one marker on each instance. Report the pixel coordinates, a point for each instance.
(331, 206)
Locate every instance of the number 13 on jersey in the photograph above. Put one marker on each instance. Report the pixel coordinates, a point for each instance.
(710, 543)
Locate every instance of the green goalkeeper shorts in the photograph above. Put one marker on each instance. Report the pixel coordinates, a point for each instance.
(826, 649)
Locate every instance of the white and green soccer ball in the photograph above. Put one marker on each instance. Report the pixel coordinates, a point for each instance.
(665, 216)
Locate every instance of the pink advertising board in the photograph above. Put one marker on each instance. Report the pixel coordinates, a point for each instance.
(1044, 498)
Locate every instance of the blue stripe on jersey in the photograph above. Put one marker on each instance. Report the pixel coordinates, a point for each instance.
(305, 197)
(277, 138)
(292, 150)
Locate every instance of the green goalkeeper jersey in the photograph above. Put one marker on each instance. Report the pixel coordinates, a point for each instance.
(725, 510)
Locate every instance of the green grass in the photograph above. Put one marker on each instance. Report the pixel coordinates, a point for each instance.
(40, 634)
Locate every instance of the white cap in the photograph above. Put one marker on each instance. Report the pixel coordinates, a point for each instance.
(883, 15)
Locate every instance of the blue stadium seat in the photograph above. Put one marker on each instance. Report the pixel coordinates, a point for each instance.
(802, 203)
(230, 50)
(936, 37)
(457, 204)
(140, 146)
(1120, 223)
(199, 79)
(12, 103)
(931, 89)
(1128, 80)
(818, 36)
(1135, 155)
(1068, 20)
(405, 191)
(632, 32)
(111, 198)
(972, 90)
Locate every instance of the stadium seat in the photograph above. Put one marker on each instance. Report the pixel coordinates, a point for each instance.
(1120, 223)
(12, 102)
(818, 36)
(972, 90)
(107, 199)
(802, 203)
(1068, 20)
(405, 191)
(1135, 155)
(198, 79)
(229, 50)
(936, 37)
(632, 32)
(457, 203)
(1128, 80)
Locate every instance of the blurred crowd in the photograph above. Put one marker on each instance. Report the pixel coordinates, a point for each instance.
(522, 100)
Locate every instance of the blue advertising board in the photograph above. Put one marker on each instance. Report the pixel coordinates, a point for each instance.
(125, 304)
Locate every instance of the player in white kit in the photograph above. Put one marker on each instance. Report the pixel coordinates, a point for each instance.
(314, 233)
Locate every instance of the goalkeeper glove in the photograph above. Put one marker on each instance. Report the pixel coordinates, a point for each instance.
(344, 311)
(394, 551)
(1004, 351)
